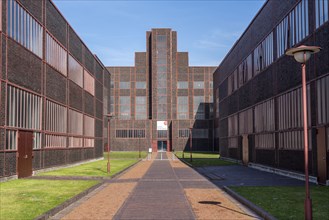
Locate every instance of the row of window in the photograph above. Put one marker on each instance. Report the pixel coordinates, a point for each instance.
(321, 9)
(130, 133)
(292, 29)
(23, 28)
(196, 84)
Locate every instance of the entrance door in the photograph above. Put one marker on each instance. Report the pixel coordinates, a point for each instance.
(24, 160)
(162, 146)
(321, 155)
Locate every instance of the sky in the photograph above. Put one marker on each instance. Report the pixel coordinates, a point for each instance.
(115, 30)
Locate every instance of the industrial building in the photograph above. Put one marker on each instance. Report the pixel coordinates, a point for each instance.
(257, 90)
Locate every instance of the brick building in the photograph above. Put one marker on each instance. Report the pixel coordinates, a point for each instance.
(158, 100)
(257, 90)
(52, 91)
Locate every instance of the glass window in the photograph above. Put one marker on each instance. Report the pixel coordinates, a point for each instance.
(55, 141)
(321, 12)
(184, 133)
(140, 109)
(263, 54)
(124, 85)
(56, 55)
(199, 133)
(198, 84)
(89, 83)
(182, 85)
(265, 120)
(89, 126)
(182, 107)
(140, 85)
(323, 100)
(199, 107)
(75, 71)
(56, 117)
(124, 102)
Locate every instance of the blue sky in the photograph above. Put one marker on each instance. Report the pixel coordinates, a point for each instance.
(115, 30)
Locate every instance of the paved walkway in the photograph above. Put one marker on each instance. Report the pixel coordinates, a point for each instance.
(157, 189)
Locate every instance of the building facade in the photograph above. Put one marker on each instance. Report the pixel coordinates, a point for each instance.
(53, 92)
(257, 90)
(157, 101)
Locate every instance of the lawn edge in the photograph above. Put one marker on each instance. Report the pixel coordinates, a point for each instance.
(79, 196)
(258, 210)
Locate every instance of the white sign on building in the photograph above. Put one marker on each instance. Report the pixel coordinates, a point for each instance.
(162, 125)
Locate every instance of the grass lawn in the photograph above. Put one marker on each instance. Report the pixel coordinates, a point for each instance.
(287, 202)
(200, 159)
(125, 155)
(27, 198)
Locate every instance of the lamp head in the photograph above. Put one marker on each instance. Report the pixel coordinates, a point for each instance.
(302, 53)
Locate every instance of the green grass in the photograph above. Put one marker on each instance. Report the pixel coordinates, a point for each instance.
(200, 159)
(125, 155)
(27, 198)
(288, 202)
(97, 168)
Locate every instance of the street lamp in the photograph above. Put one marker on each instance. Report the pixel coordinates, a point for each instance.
(301, 55)
(109, 117)
(190, 144)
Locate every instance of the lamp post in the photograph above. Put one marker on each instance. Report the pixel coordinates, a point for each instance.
(109, 117)
(301, 55)
(190, 144)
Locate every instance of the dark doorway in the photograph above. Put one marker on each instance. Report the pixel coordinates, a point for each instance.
(24, 160)
(321, 155)
(162, 146)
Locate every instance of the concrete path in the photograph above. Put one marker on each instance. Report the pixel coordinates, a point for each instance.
(159, 189)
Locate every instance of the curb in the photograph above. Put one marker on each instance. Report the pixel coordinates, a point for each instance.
(259, 211)
(68, 202)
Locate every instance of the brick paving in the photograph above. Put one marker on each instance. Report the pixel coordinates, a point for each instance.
(159, 189)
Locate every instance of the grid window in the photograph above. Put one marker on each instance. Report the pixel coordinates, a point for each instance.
(75, 71)
(184, 133)
(245, 70)
(199, 107)
(130, 133)
(140, 107)
(55, 141)
(233, 125)
(162, 134)
(124, 102)
(182, 107)
(24, 28)
(323, 100)
(182, 85)
(89, 126)
(264, 117)
(282, 32)
(75, 123)
(89, 83)
(263, 54)
(246, 122)
(56, 117)
(75, 142)
(294, 140)
(88, 142)
(321, 12)
(11, 140)
(140, 85)
(265, 141)
(56, 55)
(36, 140)
(290, 111)
(199, 133)
(198, 84)
(24, 109)
(124, 85)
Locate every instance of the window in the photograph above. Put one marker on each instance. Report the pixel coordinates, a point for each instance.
(217, 103)
(211, 84)
(11, 140)
(323, 100)
(56, 117)
(199, 133)
(130, 133)
(88, 142)
(89, 126)
(140, 85)
(56, 55)
(199, 107)
(246, 122)
(162, 134)
(75, 142)
(265, 141)
(124, 85)
(184, 133)
(24, 109)
(55, 141)
(198, 84)
(233, 125)
(263, 54)
(245, 70)
(182, 85)
(290, 109)
(161, 56)
(36, 140)
(321, 12)
(89, 83)
(293, 28)
(182, 107)
(294, 140)
(264, 117)
(75, 123)
(24, 28)
(232, 82)
(140, 107)
(124, 102)
(75, 71)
